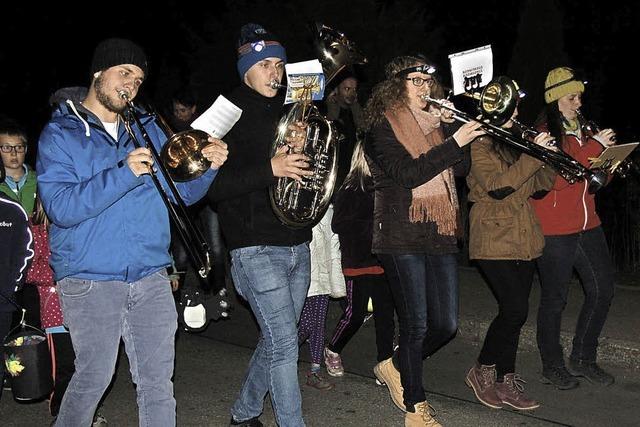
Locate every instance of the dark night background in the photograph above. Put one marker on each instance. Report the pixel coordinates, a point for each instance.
(194, 43)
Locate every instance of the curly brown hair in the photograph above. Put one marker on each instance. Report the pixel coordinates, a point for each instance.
(392, 92)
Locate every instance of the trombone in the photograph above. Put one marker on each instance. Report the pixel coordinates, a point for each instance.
(178, 151)
(497, 102)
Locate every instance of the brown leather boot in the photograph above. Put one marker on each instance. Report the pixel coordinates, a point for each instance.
(387, 374)
(423, 416)
(482, 379)
(511, 392)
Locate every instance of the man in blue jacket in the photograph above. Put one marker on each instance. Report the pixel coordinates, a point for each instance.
(110, 237)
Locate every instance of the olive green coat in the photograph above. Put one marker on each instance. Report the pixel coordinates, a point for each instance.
(502, 222)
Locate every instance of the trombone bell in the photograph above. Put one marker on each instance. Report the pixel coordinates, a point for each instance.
(182, 155)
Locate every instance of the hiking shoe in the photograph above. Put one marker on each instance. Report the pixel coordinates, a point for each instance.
(559, 377)
(482, 379)
(99, 420)
(333, 362)
(252, 422)
(387, 374)
(511, 392)
(315, 380)
(423, 416)
(591, 371)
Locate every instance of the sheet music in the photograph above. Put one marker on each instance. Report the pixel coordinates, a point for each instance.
(471, 69)
(304, 79)
(612, 156)
(218, 120)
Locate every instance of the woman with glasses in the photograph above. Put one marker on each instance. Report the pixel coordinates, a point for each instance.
(415, 220)
(20, 183)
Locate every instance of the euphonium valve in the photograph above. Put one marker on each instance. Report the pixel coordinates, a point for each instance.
(303, 203)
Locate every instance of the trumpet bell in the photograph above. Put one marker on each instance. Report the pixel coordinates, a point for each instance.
(499, 100)
(182, 155)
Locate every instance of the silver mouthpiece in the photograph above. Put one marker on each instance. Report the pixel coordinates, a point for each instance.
(123, 94)
(273, 84)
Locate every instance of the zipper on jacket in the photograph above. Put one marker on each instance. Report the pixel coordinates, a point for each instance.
(584, 206)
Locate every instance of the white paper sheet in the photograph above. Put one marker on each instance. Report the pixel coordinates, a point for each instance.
(218, 120)
(471, 69)
(301, 74)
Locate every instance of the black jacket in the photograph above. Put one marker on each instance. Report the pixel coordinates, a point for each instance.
(241, 186)
(16, 249)
(353, 223)
(395, 173)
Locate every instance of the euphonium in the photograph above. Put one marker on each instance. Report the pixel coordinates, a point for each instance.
(301, 204)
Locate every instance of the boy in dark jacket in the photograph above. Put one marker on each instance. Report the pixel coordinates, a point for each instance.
(15, 253)
(269, 261)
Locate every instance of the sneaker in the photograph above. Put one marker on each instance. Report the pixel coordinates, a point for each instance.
(333, 362)
(253, 422)
(591, 371)
(511, 392)
(559, 377)
(99, 420)
(315, 380)
(387, 374)
(423, 416)
(482, 379)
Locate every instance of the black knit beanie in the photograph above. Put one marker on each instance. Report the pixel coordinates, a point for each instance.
(112, 52)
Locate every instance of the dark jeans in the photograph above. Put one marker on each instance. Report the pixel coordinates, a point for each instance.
(588, 253)
(62, 358)
(359, 290)
(425, 292)
(510, 282)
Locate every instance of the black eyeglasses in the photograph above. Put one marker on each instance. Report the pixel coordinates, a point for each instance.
(419, 81)
(10, 148)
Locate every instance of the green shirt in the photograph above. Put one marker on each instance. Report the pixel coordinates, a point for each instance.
(25, 193)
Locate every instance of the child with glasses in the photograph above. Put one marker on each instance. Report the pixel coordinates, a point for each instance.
(20, 181)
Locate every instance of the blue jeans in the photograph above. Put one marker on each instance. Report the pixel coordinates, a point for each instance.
(98, 314)
(588, 253)
(425, 292)
(274, 280)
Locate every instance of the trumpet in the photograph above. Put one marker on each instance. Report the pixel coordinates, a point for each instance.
(497, 102)
(590, 128)
(176, 146)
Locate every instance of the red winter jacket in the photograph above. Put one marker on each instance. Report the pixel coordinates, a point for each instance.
(41, 275)
(569, 208)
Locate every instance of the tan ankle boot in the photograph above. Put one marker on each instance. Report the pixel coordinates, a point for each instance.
(387, 374)
(511, 392)
(482, 379)
(422, 417)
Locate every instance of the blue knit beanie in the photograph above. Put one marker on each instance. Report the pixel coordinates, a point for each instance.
(256, 44)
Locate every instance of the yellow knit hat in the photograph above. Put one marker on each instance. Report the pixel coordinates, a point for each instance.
(560, 82)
